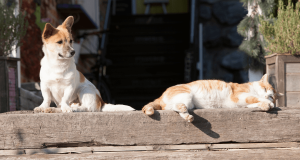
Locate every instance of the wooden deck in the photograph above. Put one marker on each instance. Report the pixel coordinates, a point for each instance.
(242, 133)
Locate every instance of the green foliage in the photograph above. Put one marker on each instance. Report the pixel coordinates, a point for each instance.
(283, 35)
(38, 21)
(254, 42)
(12, 28)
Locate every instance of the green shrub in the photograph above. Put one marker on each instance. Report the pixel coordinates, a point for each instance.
(12, 28)
(283, 35)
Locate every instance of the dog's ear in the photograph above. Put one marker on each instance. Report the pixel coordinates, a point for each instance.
(265, 79)
(49, 30)
(68, 23)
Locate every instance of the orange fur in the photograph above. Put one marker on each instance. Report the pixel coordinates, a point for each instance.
(181, 107)
(251, 100)
(237, 89)
(264, 106)
(154, 105)
(54, 35)
(205, 94)
(208, 85)
(99, 102)
(266, 86)
(173, 91)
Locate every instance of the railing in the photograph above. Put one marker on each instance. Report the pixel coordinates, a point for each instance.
(192, 37)
(106, 23)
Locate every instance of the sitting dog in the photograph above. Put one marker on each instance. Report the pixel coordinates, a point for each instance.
(61, 82)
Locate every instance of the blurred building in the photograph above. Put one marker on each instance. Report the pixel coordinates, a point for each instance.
(148, 45)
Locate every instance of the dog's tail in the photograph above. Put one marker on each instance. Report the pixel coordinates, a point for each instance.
(118, 107)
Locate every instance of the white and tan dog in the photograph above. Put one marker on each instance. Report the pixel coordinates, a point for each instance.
(61, 82)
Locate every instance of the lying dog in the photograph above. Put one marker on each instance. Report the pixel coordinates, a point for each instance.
(61, 82)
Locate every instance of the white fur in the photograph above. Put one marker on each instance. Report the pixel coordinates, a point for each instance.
(203, 99)
(60, 82)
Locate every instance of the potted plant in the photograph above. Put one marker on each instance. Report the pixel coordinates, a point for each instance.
(12, 29)
(282, 38)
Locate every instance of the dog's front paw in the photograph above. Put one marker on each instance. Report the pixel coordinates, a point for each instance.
(66, 109)
(190, 118)
(39, 110)
(53, 110)
(265, 106)
(149, 111)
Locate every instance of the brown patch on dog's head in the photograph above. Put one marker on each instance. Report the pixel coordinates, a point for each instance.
(59, 40)
(49, 31)
(99, 102)
(266, 86)
(82, 78)
(68, 23)
(264, 83)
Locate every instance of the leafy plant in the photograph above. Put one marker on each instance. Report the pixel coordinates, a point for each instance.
(282, 36)
(12, 28)
(249, 29)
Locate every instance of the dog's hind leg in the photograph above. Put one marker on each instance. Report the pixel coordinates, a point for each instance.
(89, 98)
(77, 108)
(53, 110)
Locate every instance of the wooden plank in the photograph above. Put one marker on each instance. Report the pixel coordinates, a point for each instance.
(280, 80)
(214, 155)
(292, 82)
(270, 60)
(292, 67)
(11, 152)
(271, 69)
(272, 75)
(289, 58)
(31, 86)
(150, 148)
(33, 131)
(254, 145)
(293, 99)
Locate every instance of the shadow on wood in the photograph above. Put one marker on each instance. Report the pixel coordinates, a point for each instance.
(204, 125)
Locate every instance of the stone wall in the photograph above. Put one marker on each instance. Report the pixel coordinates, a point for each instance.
(222, 59)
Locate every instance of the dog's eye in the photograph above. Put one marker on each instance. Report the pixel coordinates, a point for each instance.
(71, 41)
(60, 42)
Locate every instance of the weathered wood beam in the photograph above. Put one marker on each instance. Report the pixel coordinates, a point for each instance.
(250, 154)
(33, 131)
(97, 149)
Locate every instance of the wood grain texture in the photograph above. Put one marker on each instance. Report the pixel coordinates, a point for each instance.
(96, 149)
(33, 131)
(292, 82)
(162, 155)
(280, 79)
(292, 67)
(293, 99)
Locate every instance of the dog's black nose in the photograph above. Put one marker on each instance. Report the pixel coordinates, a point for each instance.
(72, 53)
